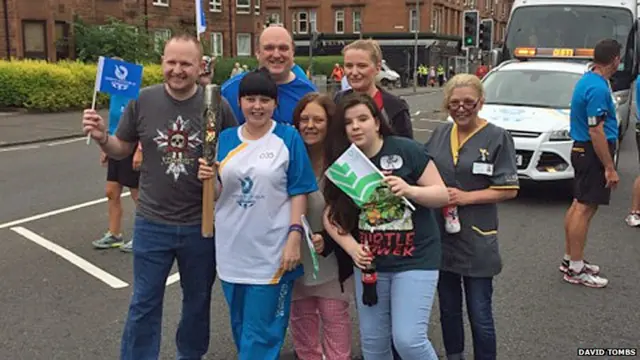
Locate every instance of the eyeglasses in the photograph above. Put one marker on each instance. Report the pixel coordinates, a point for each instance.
(465, 104)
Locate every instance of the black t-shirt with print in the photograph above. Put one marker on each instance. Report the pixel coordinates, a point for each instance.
(400, 239)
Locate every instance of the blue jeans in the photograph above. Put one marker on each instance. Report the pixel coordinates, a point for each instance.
(478, 293)
(401, 315)
(259, 318)
(154, 250)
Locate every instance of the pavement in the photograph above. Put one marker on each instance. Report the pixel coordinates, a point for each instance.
(61, 299)
(22, 128)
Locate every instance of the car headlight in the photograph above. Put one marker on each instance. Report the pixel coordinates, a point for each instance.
(560, 135)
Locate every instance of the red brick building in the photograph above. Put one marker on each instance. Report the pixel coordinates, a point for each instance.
(30, 28)
(439, 17)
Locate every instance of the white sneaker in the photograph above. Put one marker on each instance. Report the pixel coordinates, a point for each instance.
(585, 278)
(633, 220)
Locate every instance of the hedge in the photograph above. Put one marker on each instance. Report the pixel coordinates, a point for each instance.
(67, 85)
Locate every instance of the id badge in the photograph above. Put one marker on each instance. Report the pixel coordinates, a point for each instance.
(480, 168)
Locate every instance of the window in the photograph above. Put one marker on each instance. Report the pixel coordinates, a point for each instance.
(160, 36)
(62, 40)
(274, 18)
(313, 21)
(303, 22)
(243, 6)
(357, 21)
(339, 23)
(215, 5)
(437, 20)
(161, 3)
(545, 89)
(216, 44)
(413, 20)
(256, 6)
(34, 39)
(243, 44)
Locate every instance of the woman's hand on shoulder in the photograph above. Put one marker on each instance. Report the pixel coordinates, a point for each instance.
(205, 171)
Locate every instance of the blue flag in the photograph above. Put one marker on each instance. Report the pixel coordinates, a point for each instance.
(119, 78)
(201, 19)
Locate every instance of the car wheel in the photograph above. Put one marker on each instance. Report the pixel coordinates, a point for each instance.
(384, 82)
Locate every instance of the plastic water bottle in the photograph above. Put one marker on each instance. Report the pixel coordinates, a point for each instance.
(451, 219)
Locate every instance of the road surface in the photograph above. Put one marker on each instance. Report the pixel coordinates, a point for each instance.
(61, 299)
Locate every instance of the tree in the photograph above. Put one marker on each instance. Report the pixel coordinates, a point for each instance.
(116, 38)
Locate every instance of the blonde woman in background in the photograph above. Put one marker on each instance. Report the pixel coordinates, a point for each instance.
(478, 164)
(362, 62)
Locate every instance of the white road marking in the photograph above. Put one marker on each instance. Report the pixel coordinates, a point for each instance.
(56, 212)
(417, 113)
(173, 279)
(419, 130)
(63, 142)
(24, 147)
(76, 260)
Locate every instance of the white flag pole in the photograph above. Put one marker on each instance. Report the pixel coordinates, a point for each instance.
(96, 88)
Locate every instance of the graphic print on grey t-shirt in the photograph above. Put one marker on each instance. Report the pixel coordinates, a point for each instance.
(176, 142)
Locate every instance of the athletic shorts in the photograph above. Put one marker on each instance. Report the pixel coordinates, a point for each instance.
(121, 171)
(589, 185)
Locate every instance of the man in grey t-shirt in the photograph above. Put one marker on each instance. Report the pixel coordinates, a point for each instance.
(167, 120)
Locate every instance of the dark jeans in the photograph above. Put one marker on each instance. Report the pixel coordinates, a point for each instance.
(154, 250)
(478, 293)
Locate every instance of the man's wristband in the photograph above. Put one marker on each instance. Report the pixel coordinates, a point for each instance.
(296, 227)
(106, 140)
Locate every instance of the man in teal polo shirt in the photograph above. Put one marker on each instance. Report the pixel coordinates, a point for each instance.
(594, 130)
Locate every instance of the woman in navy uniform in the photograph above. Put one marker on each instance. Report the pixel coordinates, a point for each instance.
(477, 162)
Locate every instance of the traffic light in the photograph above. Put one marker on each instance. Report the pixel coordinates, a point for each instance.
(470, 28)
(486, 35)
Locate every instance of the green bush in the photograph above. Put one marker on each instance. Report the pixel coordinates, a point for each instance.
(42, 86)
(68, 85)
(322, 65)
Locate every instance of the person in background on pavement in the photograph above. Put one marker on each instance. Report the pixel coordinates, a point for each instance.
(432, 76)
(362, 62)
(237, 69)
(441, 75)
(167, 120)
(275, 52)
(264, 173)
(482, 70)
(633, 219)
(207, 71)
(344, 84)
(477, 162)
(337, 73)
(321, 302)
(594, 130)
(407, 262)
(120, 173)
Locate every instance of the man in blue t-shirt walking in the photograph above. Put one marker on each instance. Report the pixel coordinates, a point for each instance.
(594, 130)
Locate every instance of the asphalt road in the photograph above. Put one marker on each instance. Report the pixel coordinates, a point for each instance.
(52, 309)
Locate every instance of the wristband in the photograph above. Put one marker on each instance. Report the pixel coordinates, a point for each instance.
(106, 140)
(296, 227)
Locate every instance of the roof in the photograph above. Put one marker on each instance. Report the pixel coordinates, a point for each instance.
(562, 66)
